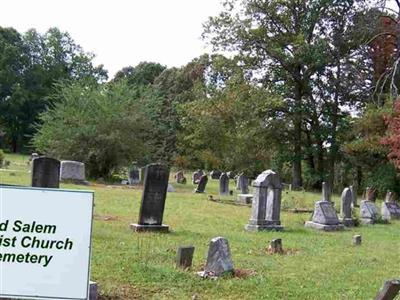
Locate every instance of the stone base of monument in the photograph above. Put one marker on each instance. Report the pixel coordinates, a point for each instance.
(245, 198)
(271, 227)
(324, 227)
(367, 221)
(348, 222)
(75, 181)
(93, 290)
(149, 228)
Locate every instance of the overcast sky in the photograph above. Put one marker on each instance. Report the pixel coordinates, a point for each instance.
(120, 32)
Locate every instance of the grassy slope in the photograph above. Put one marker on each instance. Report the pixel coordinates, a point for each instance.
(141, 266)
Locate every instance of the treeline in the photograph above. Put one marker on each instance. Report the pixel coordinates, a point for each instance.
(308, 91)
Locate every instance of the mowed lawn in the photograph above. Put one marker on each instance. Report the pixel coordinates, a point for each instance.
(317, 265)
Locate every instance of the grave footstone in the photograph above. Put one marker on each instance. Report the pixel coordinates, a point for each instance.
(73, 171)
(202, 184)
(219, 261)
(46, 172)
(266, 207)
(275, 246)
(215, 174)
(345, 208)
(357, 240)
(224, 184)
(184, 257)
(153, 199)
(245, 198)
(368, 212)
(324, 217)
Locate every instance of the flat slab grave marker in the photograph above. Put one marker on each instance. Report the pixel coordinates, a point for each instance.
(31, 266)
(324, 217)
(153, 199)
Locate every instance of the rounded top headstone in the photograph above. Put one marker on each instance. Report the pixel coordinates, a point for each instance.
(268, 178)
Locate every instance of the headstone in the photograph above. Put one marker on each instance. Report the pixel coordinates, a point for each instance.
(326, 192)
(245, 198)
(231, 174)
(73, 171)
(242, 184)
(266, 207)
(219, 259)
(353, 190)
(368, 212)
(202, 184)
(357, 240)
(345, 208)
(215, 174)
(324, 217)
(93, 290)
(184, 257)
(142, 172)
(33, 156)
(275, 246)
(389, 290)
(370, 194)
(390, 210)
(170, 188)
(390, 197)
(153, 199)
(46, 172)
(196, 176)
(224, 184)
(134, 175)
(180, 177)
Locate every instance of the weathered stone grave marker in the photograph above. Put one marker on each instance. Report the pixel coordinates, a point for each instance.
(219, 261)
(389, 290)
(390, 208)
(353, 190)
(275, 246)
(73, 171)
(180, 177)
(368, 212)
(326, 192)
(266, 207)
(46, 172)
(202, 184)
(345, 208)
(224, 184)
(245, 198)
(357, 239)
(242, 184)
(184, 257)
(215, 174)
(153, 199)
(196, 176)
(134, 175)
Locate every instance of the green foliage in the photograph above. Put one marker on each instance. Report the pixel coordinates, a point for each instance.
(141, 75)
(102, 126)
(383, 178)
(2, 157)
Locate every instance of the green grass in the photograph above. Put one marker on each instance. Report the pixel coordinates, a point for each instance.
(319, 265)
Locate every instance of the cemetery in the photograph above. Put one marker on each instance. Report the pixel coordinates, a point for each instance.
(208, 252)
(233, 149)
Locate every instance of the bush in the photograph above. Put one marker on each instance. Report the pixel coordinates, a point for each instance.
(102, 126)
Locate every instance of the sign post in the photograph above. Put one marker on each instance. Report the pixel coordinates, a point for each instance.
(45, 243)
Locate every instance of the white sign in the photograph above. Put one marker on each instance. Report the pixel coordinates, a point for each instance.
(45, 239)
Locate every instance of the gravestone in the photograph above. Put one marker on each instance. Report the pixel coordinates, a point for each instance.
(275, 246)
(134, 175)
(357, 240)
(370, 194)
(46, 172)
(142, 172)
(170, 188)
(196, 176)
(389, 291)
(219, 259)
(215, 174)
(245, 198)
(353, 190)
(231, 174)
(202, 184)
(242, 184)
(368, 212)
(266, 207)
(180, 177)
(390, 197)
(73, 171)
(345, 208)
(184, 257)
(390, 210)
(324, 217)
(224, 184)
(153, 199)
(326, 192)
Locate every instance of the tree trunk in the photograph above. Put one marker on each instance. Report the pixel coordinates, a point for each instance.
(297, 181)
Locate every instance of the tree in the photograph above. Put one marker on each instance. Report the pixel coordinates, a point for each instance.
(143, 74)
(100, 125)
